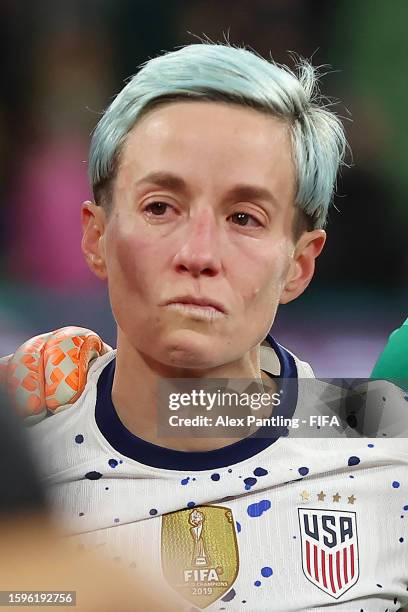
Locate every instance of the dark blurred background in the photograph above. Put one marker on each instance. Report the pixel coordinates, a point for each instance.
(62, 64)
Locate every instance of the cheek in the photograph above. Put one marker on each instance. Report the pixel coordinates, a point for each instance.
(265, 278)
(130, 259)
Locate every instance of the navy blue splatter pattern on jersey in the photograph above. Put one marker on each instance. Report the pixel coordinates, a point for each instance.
(229, 596)
(260, 472)
(93, 475)
(255, 510)
(303, 471)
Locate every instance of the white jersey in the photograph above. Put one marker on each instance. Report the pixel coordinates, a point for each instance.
(261, 525)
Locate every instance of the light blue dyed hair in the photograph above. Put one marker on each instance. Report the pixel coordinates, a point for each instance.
(222, 73)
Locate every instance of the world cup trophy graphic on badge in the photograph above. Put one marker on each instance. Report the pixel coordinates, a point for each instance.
(196, 520)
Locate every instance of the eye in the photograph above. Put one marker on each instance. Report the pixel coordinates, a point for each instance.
(243, 217)
(157, 208)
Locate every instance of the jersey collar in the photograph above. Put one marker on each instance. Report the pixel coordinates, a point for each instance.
(130, 445)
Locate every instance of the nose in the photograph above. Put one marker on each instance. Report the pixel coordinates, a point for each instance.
(200, 250)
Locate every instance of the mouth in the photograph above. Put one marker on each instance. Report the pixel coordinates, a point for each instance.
(202, 308)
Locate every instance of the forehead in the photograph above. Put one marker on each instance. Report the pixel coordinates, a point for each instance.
(212, 142)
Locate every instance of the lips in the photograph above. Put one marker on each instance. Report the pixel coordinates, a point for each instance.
(202, 301)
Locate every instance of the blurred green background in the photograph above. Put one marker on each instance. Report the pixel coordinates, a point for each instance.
(62, 64)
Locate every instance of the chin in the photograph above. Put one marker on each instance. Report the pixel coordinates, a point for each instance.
(189, 349)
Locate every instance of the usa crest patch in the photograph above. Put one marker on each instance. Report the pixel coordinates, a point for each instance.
(330, 557)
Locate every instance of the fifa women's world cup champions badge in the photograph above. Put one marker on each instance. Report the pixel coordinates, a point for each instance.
(199, 550)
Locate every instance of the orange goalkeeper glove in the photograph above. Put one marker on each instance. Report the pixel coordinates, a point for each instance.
(48, 372)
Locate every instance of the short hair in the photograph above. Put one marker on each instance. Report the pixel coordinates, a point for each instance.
(223, 73)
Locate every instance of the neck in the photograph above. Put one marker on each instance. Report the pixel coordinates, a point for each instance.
(135, 396)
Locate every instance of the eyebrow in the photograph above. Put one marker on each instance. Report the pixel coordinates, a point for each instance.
(174, 182)
(165, 180)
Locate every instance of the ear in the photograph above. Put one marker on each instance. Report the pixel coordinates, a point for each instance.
(308, 247)
(93, 219)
